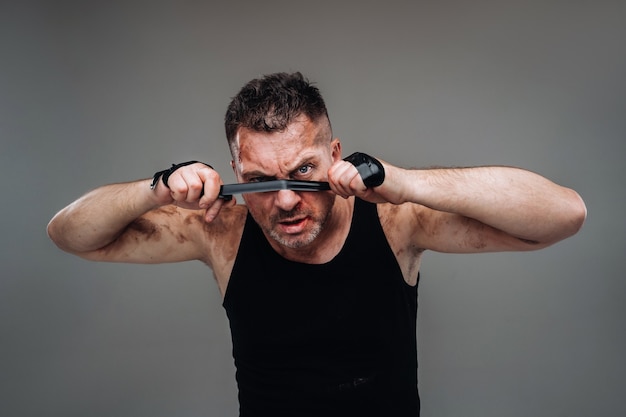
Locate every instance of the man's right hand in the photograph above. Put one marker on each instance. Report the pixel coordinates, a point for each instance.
(194, 186)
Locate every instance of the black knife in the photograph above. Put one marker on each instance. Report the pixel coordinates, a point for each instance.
(227, 190)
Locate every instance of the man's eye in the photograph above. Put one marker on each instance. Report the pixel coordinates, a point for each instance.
(260, 179)
(305, 169)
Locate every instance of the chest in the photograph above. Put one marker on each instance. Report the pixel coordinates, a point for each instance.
(333, 310)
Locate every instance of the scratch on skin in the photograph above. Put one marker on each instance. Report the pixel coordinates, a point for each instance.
(180, 237)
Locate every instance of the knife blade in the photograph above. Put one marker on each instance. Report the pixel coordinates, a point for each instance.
(228, 190)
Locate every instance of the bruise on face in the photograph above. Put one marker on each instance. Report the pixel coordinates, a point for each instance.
(299, 130)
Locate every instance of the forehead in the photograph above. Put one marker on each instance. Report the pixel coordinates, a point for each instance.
(301, 136)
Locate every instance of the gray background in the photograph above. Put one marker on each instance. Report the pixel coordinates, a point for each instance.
(109, 91)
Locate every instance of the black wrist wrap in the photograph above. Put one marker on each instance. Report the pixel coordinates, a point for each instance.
(165, 174)
(370, 169)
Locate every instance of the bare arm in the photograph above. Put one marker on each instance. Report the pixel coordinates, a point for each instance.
(129, 222)
(98, 218)
(479, 209)
(522, 204)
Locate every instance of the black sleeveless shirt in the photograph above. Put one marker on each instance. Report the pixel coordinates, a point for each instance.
(324, 339)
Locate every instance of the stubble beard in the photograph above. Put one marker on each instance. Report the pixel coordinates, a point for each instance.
(297, 242)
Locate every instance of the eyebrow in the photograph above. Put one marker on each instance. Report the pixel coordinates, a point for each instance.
(257, 173)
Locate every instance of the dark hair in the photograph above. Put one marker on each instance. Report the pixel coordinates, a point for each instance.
(271, 103)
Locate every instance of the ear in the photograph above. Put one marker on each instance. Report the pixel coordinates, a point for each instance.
(335, 149)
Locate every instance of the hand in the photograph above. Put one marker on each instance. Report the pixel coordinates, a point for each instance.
(194, 187)
(345, 181)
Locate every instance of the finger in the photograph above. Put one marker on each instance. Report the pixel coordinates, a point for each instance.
(211, 187)
(357, 186)
(344, 179)
(187, 183)
(194, 184)
(212, 211)
(336, 176)
(178, 187)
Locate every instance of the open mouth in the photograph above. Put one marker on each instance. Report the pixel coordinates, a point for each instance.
(291, 222)
(293, 226)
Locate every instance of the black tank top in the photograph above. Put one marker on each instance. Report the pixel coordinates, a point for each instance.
(324, 339)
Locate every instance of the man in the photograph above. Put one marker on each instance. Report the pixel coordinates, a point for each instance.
(319, 286)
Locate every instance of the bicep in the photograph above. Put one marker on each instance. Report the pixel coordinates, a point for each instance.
(452, 233)
(159, 236)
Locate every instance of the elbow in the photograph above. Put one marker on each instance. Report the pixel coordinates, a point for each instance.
(564, 223)
(57, 230)
(55, 233)
(52, 231)
(70, 239)
(572, 218)
(578, 213)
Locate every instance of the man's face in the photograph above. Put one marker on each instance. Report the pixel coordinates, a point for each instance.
(303, 151)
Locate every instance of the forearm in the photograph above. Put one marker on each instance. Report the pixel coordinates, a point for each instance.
(100, 216)
(518, 202)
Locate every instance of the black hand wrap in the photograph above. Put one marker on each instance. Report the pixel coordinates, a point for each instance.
(370, 169)
(165, 174)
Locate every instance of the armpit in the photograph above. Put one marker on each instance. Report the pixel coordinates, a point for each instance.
(153, 225)
(400, 229)
(144, 227)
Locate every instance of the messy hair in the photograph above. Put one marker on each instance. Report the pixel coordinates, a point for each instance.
(271, 103)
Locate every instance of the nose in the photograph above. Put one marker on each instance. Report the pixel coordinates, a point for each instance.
(287, 200)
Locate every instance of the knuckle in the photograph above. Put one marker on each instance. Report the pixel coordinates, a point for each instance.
(195, 186)
(178, 187)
